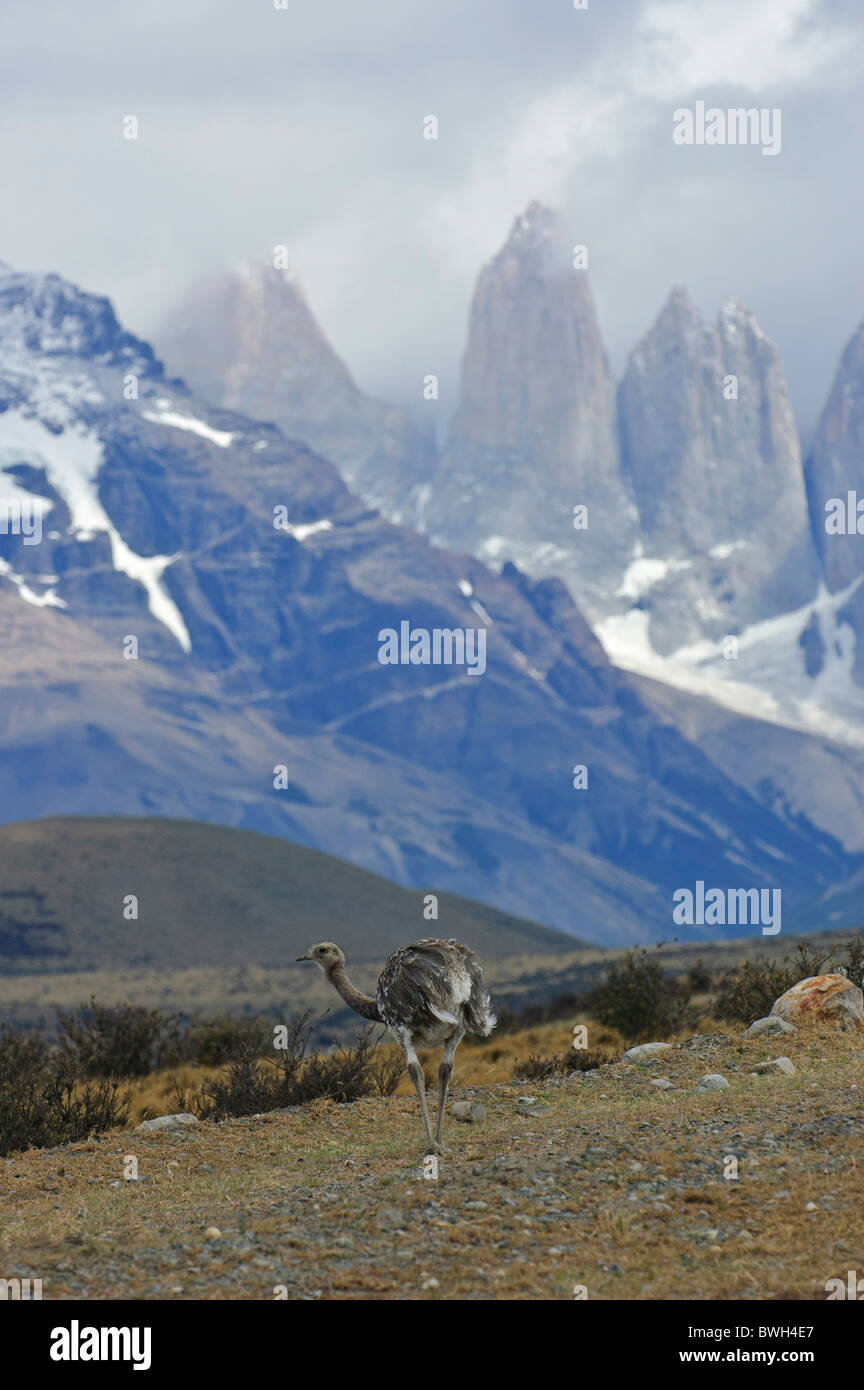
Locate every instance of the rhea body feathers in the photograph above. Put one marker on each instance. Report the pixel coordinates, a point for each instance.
(430, 988)
(429, 995)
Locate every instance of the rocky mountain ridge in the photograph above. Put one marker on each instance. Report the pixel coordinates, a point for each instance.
(675, 504)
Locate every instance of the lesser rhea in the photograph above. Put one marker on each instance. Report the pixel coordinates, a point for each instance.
(429, 995)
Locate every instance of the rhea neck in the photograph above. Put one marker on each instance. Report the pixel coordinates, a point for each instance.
(361, 1003)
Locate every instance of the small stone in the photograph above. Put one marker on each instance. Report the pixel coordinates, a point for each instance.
(212, 1233)
(390, 1219)
(429, 1284)
(533, 1109)
(810, 1206)
(780, 1066)
(164, 1122)
(476, 1206)
(645, 1052)
(772, 1024)
(662, 1084)
(713, 1082)
(470, 1112)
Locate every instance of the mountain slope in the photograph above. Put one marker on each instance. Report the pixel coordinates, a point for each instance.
(797, 775)
(836, 467)
(835, 474)
(247, 340)
(706, 564)
(205, 609)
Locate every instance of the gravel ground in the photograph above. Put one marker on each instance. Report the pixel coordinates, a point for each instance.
(607, 1183)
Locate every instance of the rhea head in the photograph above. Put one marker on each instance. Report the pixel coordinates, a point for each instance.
(326, 954)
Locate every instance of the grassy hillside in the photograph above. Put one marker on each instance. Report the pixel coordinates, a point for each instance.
(210, 897)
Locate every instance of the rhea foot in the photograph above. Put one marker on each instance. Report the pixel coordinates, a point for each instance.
(435, 1148)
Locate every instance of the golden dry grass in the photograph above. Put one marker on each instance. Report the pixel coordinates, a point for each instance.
(477, 1064)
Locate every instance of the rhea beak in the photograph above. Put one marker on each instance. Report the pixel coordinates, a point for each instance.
(304, 957)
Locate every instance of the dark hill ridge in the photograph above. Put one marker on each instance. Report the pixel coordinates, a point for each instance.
(211, 896)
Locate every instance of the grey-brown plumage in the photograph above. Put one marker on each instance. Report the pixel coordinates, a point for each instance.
(429, 995)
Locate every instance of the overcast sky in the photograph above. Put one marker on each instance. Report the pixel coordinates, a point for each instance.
(304, 126)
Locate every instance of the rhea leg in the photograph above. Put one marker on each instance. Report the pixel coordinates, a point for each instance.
(415, 1071)
(445, 1071)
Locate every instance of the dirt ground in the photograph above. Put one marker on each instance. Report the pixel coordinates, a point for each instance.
(608, 1187)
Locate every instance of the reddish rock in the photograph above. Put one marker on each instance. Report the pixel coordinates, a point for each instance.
(822, 996)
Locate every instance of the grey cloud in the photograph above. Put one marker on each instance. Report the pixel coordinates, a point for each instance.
(305, 127)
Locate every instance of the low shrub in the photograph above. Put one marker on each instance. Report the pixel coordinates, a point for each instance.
(639, 999)
(120, 1039)
(44, 1101)
(256, 1080)
(537, 1068)
(211, 1041)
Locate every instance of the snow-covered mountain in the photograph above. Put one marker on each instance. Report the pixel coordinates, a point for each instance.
(531, 466)
(674, 506)
(710, 447)
(705, 563)
(191, 609)
(710, 568)
(791, 580)
(835, 484)
(247, 340)
(740, 596)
